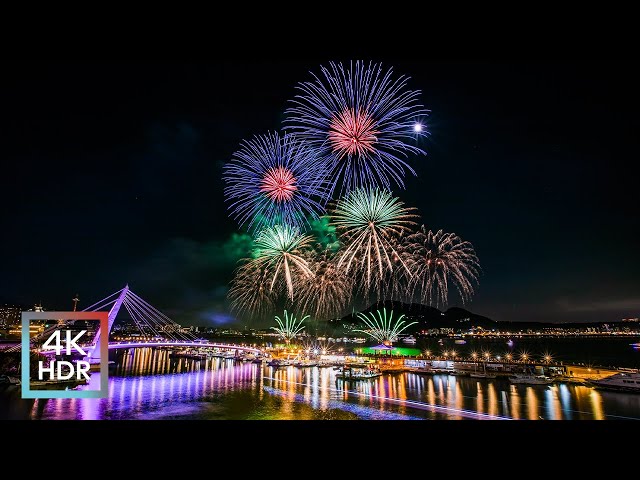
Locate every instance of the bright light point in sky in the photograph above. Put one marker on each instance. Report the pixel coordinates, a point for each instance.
(417, 127)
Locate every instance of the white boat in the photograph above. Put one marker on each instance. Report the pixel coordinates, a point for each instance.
(622, 382)
(357, 373)
(280, 363)
(410, 340)
(527, 379)
(483, 375)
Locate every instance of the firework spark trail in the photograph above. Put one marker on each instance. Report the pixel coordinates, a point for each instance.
(279, 251)
(327, 293)
(317, 347)
(273, 180)
(362, 119)
(382, 328)
(250, 295)
(279, 184)
(370, 221)
(290, 328)
(439, 259)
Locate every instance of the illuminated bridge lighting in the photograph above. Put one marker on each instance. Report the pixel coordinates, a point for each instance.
(166, 343)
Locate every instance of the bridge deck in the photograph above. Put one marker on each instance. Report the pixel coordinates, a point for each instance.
(117, 345)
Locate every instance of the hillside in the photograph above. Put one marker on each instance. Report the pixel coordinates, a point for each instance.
(426, 316)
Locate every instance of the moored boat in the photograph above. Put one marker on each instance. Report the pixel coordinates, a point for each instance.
(622, 382)
(527, 379)
(482, 375)
(7, 380)
(358, 373)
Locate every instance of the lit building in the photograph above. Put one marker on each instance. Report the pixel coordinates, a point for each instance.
(34, 329)
(9, 315)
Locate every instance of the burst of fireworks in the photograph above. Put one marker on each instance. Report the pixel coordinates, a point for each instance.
(371, 220)
(363, 119)
(382, 328)
(438, 259)
(274, 179)
(279, 252)
(326, 294)
(317, 347)
(250, 293)
(290, 328)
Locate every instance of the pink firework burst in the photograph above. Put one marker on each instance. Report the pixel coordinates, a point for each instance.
(279, 184)
(353, 132)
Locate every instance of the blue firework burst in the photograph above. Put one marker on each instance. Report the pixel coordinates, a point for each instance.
(363, 119)
(276, 179)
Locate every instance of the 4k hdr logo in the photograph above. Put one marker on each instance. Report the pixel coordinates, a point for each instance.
(66, 357)
(56, 368)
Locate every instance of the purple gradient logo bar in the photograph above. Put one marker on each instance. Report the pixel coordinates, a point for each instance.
(71, 355)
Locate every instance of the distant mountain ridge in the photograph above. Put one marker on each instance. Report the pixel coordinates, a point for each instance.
(455, 317)
(426, 317)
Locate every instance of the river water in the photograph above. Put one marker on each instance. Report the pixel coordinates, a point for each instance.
(147, 384)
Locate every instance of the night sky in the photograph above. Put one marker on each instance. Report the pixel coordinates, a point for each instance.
(111, 174)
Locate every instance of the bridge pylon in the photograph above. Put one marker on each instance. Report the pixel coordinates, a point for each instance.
(94, 353)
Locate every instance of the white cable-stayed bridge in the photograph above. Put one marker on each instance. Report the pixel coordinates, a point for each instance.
(156, 328)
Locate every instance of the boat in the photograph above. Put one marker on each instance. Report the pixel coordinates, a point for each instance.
(510, 343)
(56, 384)
(460, 341)
(409, 339)
(528, 379)
(7, 380)
(280, 363)
(358, 373)
(621, 382)
(635, 345)
(483, 375)
(305, 364)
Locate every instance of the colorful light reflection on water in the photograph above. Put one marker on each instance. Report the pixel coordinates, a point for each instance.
(148, 384)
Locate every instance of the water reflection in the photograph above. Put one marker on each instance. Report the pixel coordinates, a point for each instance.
(150, 383)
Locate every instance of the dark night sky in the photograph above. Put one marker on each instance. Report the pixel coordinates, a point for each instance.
(112, 174)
